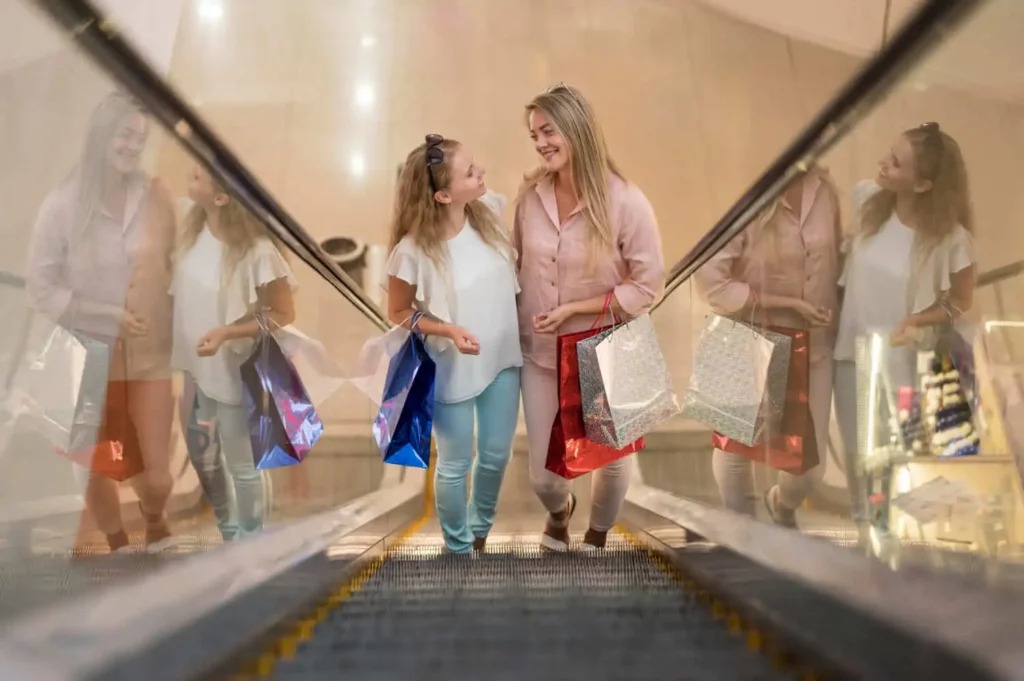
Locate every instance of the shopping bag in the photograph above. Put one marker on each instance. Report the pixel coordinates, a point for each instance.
(283, 423)
(793, 448)
(321, 374)
(370, 372)
(405, 419)
(570, 453)
(738, 384)
(624, 383)
(102, 437)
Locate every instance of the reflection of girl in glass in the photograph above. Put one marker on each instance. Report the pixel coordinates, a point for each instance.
(783, 271)
(910, 268)
(227, 269)
(100, 266)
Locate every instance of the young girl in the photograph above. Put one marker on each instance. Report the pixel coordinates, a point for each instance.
(910, 267)
(228, 269)
(451, 260)
(783, 271)
(582, 231)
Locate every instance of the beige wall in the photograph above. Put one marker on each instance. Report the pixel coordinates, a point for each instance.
(694, 103)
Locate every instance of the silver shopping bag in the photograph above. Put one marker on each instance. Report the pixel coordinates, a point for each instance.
(624, 384)
(738, 384)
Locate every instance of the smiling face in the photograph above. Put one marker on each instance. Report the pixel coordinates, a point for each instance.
(548, 142)
(897, 170)
(125, 151)
(465, 179)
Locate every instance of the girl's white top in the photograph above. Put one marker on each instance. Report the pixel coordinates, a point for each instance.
(205, 300)
(475, 288)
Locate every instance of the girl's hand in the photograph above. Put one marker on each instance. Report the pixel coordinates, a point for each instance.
(904, 333)
(465, 342)
(211, 342)
(550, 322)
(815, 316)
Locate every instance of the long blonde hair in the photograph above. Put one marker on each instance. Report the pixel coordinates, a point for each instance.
(237, 230)
(574, 118)
(420, 216)
(938, 159)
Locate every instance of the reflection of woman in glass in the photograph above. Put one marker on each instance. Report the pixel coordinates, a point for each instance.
(227, 270)
(783, 271)
(100, 267)
(910, 267)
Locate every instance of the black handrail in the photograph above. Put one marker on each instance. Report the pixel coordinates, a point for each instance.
(924, 30)
(101, 41)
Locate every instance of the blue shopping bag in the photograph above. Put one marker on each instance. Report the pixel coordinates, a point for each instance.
(283, 424)
(406, 415)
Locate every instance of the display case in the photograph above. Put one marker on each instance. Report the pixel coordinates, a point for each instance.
(935, 464)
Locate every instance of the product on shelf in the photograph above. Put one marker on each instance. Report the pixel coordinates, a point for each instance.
(945, 411)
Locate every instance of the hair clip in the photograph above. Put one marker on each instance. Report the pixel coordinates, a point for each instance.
(930, 126)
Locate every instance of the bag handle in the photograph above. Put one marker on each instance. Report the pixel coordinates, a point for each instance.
(605, 309)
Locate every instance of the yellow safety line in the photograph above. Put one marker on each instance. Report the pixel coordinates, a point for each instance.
(285, 646)
(756, 639)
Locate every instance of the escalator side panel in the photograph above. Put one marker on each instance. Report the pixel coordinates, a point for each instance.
(214, 647)
(831, 635)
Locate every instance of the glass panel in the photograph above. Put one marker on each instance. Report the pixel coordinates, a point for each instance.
(933, 455)
(96, 207)
(941, 480)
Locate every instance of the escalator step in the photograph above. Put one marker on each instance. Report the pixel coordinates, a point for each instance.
(514, 611)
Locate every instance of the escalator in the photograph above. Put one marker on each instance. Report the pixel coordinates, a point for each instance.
(364, 590)
(616, 614)
(419, 612)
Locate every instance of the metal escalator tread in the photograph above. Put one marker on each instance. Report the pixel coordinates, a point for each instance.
(515, 610)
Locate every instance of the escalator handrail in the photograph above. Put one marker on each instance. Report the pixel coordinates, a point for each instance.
(925, 29)
(99, 38)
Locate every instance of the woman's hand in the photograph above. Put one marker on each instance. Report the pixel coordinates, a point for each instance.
(465, 342)
(551, 321)
(132, 325)
(815, 316)
(211, 342)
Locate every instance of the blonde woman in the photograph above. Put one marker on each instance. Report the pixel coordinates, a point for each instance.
(227, 269)
(910, 268)
(783, 271)
(581, 231)
(451, 260)
(100, 266)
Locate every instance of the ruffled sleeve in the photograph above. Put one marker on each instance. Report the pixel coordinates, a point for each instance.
(959, 255)
(264, 264)
(407, 263)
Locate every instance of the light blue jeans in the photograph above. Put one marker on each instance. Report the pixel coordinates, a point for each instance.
(226, 470)
(495, 413)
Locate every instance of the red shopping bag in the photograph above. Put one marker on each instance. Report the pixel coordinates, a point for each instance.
(794, 449)
(570, 453)
(113, 449)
